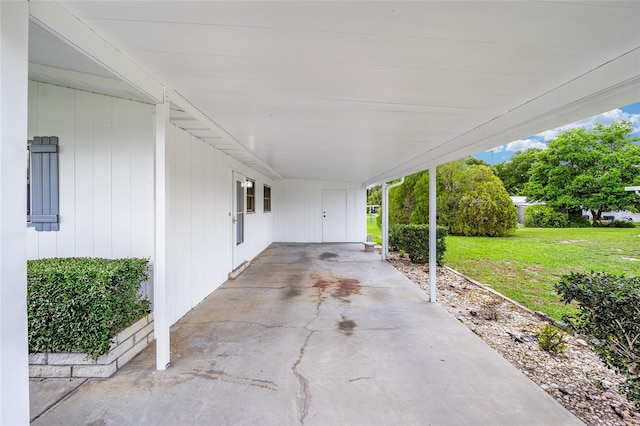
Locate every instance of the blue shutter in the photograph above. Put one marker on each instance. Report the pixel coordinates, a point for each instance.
(44, 184)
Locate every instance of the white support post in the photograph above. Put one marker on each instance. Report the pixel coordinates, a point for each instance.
(385, 216)
(385, 222)
(432, 233)
(161, 320)
(14, 361)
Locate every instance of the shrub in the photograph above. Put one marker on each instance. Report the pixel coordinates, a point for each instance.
(579, 221)
(608, 310)
(551, 339)
(615, 224)
(485, 210)
(395, 236)
(80, 304)
(415, 241)
(543, 216)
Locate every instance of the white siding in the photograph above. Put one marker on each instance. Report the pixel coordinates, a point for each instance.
(297, 209)
(106, 173)
(106, 192)
(199, 243)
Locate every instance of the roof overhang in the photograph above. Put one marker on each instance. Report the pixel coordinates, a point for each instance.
(351, 91)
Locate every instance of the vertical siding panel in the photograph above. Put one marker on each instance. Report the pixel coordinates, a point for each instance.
(32, 130)
(210, 218)
(66, 119)
(197, 223)
(121, 178)
(102, 133)
(184, 179)
(47, 121)
(142, 145)
(84, 174)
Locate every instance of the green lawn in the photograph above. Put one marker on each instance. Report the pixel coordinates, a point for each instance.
(524, 267)
(373, 229)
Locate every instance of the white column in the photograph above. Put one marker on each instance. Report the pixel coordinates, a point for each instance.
(432, 233)
(161, 321)
(385, 222)
(14, 362)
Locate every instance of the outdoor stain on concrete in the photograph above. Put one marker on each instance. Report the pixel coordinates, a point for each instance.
(346, 326)
(327, 255)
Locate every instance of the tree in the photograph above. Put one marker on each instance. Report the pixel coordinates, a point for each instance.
(588, 169)
(485, 209)
(402, 200)
(515, 172)
(471, 200)
(374, 196)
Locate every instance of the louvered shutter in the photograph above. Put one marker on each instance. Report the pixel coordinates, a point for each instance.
(44, 183)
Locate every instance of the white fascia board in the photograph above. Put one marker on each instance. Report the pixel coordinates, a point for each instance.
(611, 85)
(186, 106)
(60, 22)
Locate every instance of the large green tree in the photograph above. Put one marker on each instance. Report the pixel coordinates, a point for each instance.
(515, 172)
(588, 169)
(470, 200)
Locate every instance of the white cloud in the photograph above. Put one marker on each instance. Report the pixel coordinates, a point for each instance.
(524, 144)
(497, 149)
(605, 118)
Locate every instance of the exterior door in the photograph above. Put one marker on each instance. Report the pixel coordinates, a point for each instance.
(238, 217)
(334, 216)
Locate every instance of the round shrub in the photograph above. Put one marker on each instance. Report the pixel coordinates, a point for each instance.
(486, 210)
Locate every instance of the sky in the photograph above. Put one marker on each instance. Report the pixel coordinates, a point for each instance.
(504, 152)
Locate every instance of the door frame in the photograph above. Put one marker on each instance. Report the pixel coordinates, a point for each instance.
(238, 217)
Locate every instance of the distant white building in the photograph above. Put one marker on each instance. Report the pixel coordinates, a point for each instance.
(521, 203)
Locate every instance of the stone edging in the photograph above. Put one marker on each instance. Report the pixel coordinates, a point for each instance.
(127, 344)
(541, 315)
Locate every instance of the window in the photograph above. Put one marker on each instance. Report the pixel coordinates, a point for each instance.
(251, 196)
(42, 184)
(267, 198)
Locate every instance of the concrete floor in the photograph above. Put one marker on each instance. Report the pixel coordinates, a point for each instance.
(317, 335)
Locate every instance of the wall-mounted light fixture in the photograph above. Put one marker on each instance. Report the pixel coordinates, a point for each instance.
(248, 183)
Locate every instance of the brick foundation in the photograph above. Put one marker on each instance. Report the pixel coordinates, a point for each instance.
(127, 344)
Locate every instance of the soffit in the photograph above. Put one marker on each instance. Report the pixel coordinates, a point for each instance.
(363, 91)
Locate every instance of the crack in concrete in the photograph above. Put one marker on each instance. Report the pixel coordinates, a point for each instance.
(304, 399)
(359, 378)
(220, 375)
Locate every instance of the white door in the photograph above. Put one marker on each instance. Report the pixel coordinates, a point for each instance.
(334, 216)
(238, 216)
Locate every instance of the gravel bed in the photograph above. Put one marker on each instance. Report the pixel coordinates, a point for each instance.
(578, 379)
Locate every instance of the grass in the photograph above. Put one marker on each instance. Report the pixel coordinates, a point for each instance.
(525, 266)
(373, 229)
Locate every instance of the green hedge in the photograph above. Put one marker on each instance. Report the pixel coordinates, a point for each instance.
(81, 304)
(414, 240)
(609, 311)
(543, 216)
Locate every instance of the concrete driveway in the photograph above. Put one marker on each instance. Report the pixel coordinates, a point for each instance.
(315, 334)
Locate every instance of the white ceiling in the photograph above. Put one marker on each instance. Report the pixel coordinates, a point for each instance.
(363, 91)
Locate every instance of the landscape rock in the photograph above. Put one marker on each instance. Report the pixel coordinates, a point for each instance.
(578, 379)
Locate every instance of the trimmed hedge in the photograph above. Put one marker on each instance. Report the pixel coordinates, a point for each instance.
(81, 304)
(414, 240)
(609, 311)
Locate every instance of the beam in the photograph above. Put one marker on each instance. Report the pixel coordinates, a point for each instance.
(186, 106)
(160, 315)
(611, 85)
(14, 362)
(60, 22)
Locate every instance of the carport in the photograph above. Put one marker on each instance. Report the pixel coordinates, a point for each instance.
(314, 334)
(306, 97)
